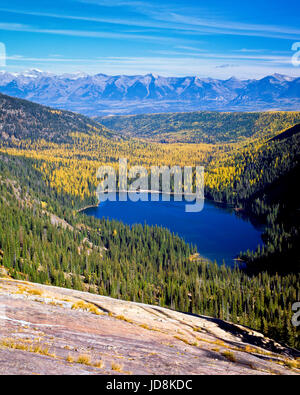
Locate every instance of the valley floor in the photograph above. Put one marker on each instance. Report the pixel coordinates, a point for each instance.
(51, 330)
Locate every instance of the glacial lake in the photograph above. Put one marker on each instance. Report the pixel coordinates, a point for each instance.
(218, 231)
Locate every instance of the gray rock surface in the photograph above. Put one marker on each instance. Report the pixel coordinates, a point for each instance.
(51, 330)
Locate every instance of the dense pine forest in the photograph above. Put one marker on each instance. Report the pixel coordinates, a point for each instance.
(46, 178)
(140, 263)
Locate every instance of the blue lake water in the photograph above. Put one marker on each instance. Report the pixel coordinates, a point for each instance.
(218, 231)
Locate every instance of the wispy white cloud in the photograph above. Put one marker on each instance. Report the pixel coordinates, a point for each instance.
(176, 21)
(115, 21)
(116, 3)
(184, 19)
(228, 25)
(252, 50)
(83, 33)
(12, 26)
(188, 48)
(50, 59)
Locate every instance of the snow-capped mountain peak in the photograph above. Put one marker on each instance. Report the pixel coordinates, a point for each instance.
(101, 94)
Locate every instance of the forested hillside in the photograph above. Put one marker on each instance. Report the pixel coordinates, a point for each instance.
(139, 263)
(238, 173)
(261, 179)
(46, 176)
(203, 126)
(21, 119)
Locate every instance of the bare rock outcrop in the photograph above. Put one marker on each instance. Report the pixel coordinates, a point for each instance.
(51, 330)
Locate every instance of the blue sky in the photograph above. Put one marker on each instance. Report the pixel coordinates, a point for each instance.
(213, 38)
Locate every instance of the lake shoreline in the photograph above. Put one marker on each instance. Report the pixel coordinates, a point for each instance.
(237, 209)
(219, 233)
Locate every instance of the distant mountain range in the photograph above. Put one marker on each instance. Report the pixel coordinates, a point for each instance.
(106, 95)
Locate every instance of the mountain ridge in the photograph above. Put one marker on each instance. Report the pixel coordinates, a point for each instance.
(22, 119)
(101, 94)
(201, 126)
